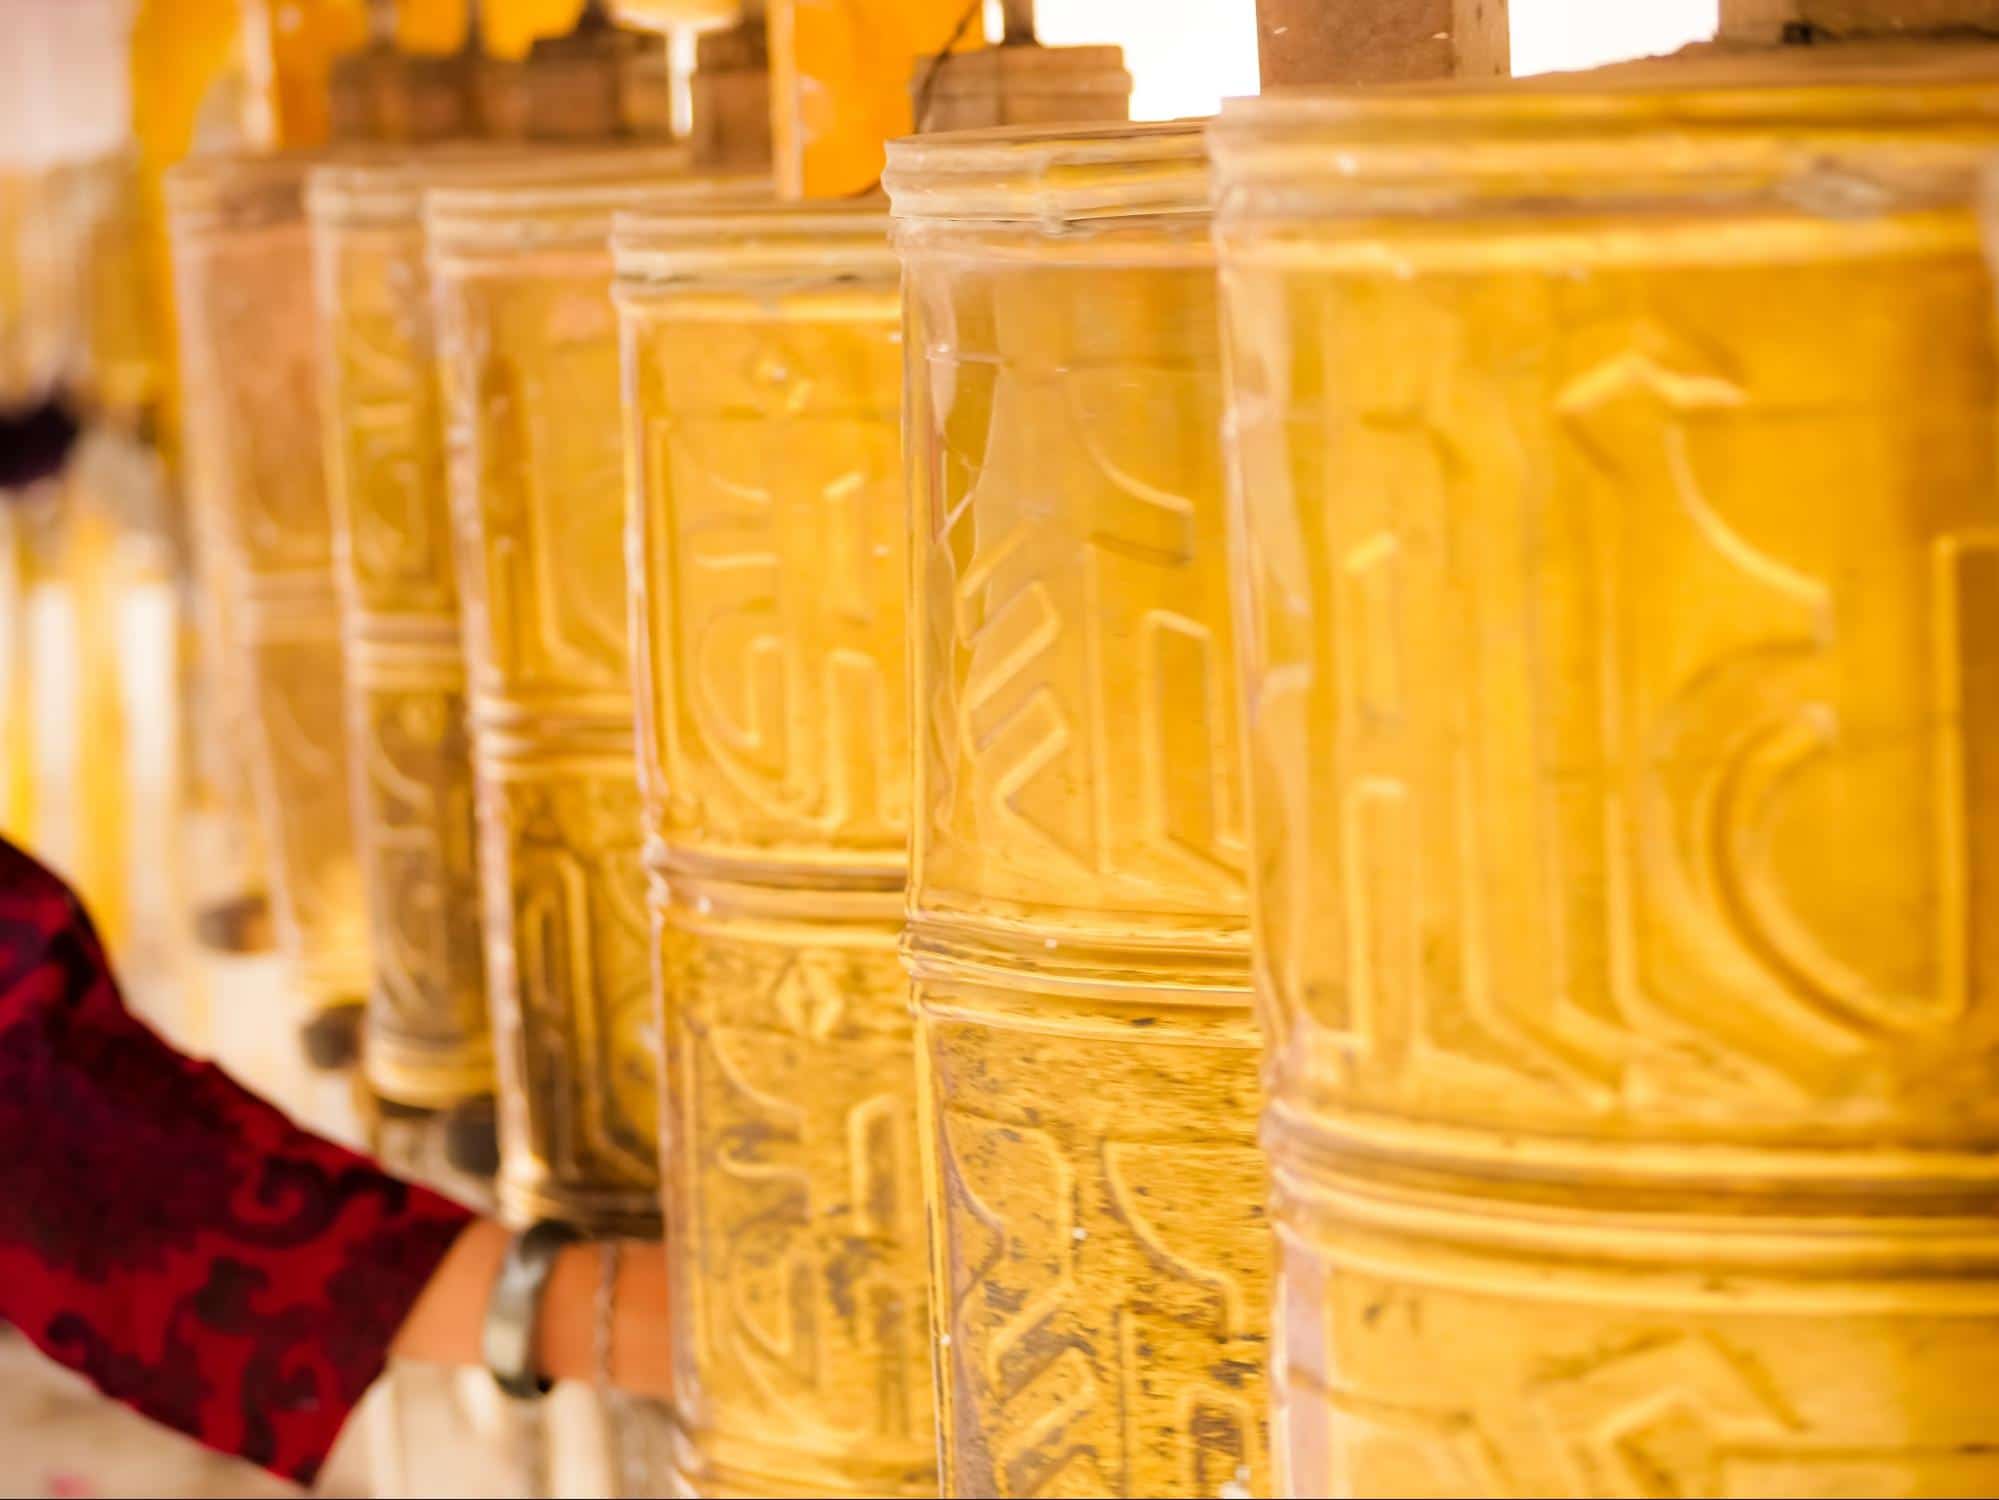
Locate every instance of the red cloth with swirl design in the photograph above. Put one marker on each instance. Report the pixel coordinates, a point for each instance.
(170, 1235)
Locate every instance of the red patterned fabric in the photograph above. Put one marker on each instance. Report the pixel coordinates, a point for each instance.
(171, 1236)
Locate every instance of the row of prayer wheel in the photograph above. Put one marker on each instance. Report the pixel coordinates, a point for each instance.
(1331, 767)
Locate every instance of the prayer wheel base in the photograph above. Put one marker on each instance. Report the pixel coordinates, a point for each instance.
(705, 1465)
(332, 1039)
(240, 924)
(601, 1216)
(424, 1078)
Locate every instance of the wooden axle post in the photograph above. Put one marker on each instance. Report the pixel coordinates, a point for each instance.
(1380, 41)
(1769, 21)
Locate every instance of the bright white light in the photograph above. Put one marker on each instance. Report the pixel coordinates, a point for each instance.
(1185, 56)
(1555, 35)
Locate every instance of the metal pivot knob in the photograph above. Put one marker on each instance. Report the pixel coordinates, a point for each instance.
(332, 1039)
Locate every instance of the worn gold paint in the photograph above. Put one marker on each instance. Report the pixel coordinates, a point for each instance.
(428, 1041)
(528, 350)
(248, 358)
(763, 399)
(1620, 566)
(1077, 925)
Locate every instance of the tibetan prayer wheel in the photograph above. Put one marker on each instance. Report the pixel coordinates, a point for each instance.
(225, 840)
(763, 389)
(428, 1041)
(1620, 594)
(249, 361)
(528, 354)
(1078, 927)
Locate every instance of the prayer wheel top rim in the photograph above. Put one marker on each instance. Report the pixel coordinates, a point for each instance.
(568, 202)
(1052, 179)
(1710, 86)
(1848, 131)
(387, 185)
(237, 190)
(839, 239)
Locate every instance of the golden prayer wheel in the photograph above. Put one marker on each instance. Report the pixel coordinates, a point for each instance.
(249, 361)
(769, 524)
(1619, 571)
(528, 355)
(428, 1041)
(1077, 913)
(226, 843)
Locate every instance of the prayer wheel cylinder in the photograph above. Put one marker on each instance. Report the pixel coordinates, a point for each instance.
(528, 356)
(249, 360)
(1078, 929)
(769, 541)
(222, 824)
(1620, 596)
(429, 1044)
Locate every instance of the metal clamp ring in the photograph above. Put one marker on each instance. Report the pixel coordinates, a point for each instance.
(514, 1307)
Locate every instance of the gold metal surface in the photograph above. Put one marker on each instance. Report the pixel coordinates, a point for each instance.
(528, 352)
(1620, 572)
(248, 354)
(428, 1041)
(763, 399)
(228, 851)
(1077, 925)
